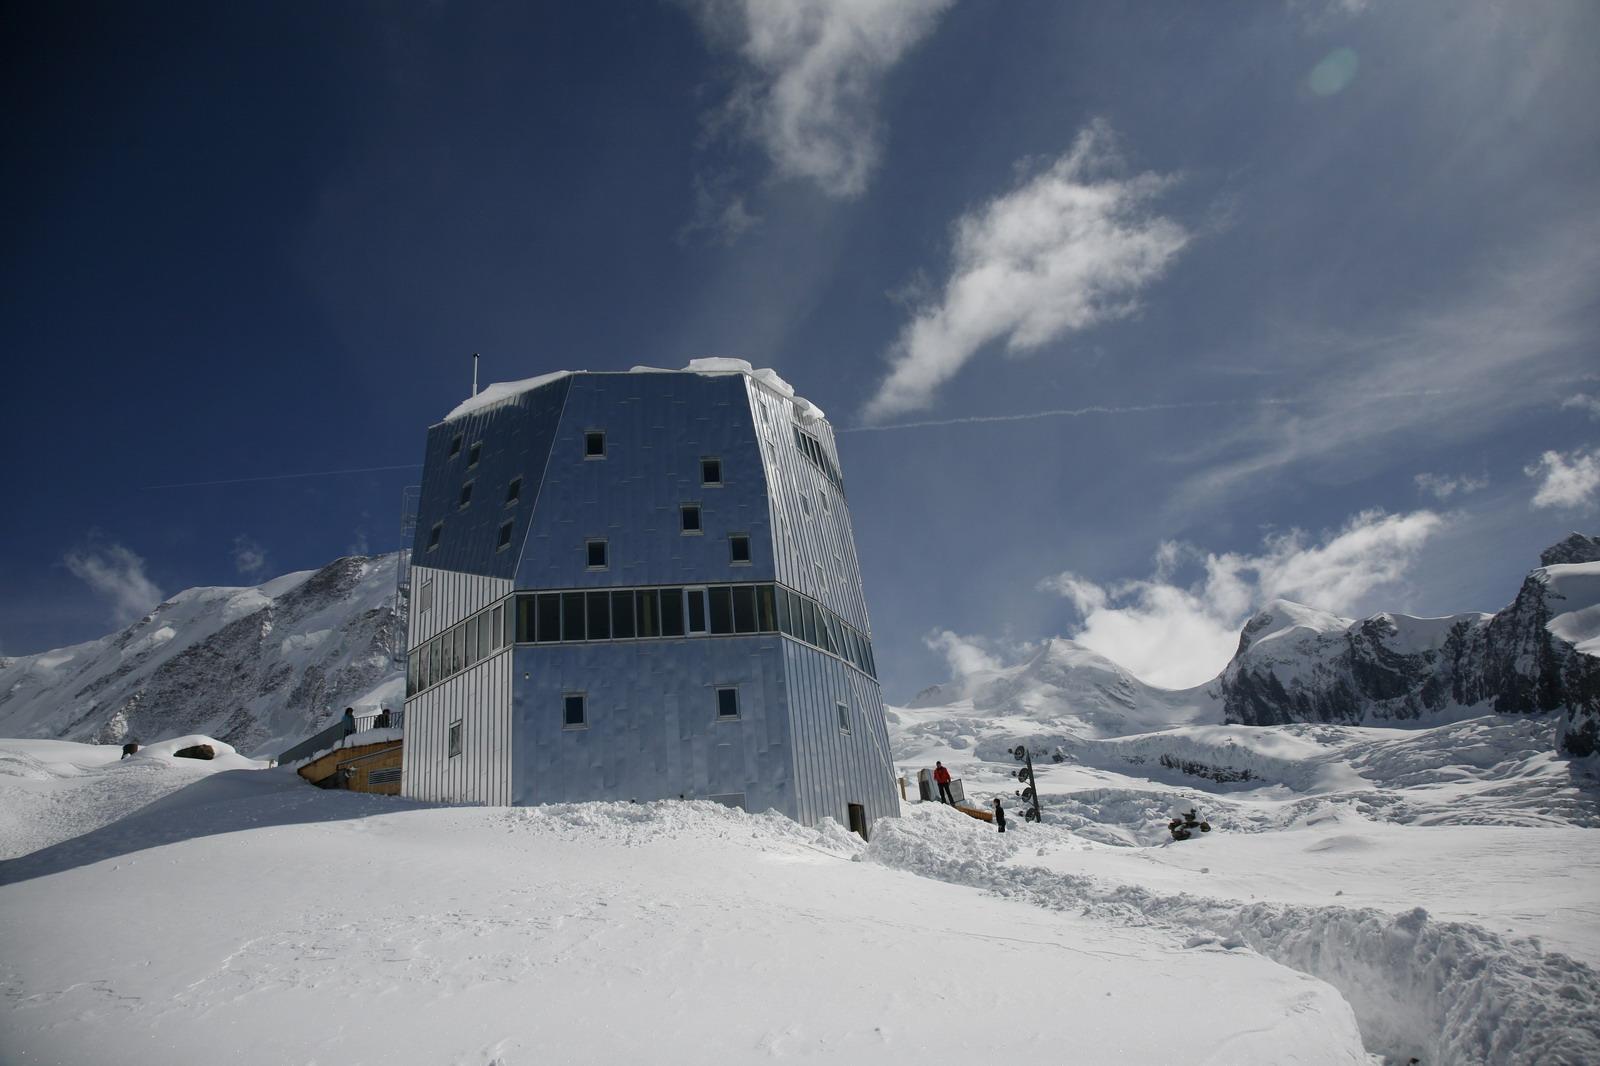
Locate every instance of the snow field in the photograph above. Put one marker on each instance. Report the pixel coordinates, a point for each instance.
(1436, 991)
(311, 926)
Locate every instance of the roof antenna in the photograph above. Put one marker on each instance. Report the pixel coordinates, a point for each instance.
(474, 373)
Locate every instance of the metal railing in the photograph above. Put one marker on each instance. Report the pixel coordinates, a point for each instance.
(331, 736)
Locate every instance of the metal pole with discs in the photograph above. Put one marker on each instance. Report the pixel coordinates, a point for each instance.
(1030, 791)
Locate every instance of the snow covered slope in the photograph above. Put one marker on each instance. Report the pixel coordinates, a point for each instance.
(1296, 664)
(252, 913)
(252, 666)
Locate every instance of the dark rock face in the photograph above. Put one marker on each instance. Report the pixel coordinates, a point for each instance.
(1393, 669)
(196, 751)
(1577, 548)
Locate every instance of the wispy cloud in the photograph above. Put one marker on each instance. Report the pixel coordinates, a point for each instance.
(1568, 480)
(249, 558)
(1070, 247)
(1444, 486)
(1494, 350)
(719, 212)
(1590, 405)
(810, 75)
(1178, 634)
(1063, 412)
(117, 574)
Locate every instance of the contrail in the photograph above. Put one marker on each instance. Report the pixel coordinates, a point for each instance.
(1068, 412)
(285, 477)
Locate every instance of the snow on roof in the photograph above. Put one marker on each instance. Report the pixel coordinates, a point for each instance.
(506, 391)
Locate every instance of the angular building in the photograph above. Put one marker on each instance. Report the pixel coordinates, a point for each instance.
(640, 586)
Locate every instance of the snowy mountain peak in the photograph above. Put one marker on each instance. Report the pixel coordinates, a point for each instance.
(1282, 616)
(1575, 548)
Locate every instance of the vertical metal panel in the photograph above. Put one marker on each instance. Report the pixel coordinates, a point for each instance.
(833, 768)
(455, 597)
(479, 698)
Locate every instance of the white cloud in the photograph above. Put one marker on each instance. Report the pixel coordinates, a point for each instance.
(967, 655)
(1068, 248)
(811, 71)
(1567, 479)
(1583, 402)
(249, 558)
(117, 574)
(1444, 486)
(1178, 635)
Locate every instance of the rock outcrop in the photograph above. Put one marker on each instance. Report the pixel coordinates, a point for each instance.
(1297, 664)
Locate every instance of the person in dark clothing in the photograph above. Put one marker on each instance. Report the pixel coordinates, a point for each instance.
(382, 721)
(942, 776)
(999, 815)
(349, 720)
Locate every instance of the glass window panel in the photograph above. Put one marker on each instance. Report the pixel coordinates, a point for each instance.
(844, 718)
(497, 628)
(549, 616)
(514, 490)
(574, 712)
(472, 642)
(433, 662)
(473, 453)
(596, 554)
(572, 616)
(766, 619)
(594, 444)
(413, 672)
(510, 619)
(695, 601)
(525, 619)
(744, 608)
(622, 615)
(488, 632)
(599, 616)
(459, 646)
(711, 471)
(689, 514)
(672, 612)
(504, 540)
(738, 548)
(785, 613)
(727, 703)
(649, 608)
(721, 610)
(466, 494)
(808, 622)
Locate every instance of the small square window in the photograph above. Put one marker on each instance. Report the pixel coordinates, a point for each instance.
(425, 597)
(505, 537)
(455, 446)
(739, 549)
(454, 741)
(596, 554)
(844, 717)
(514, 490)
(594, 444)
(690, 518)
(473, 453)
(575, 711)
(434, 534)
(728, 702)
(466, 495)
(827, 505)
(805, 504)
(711, 471)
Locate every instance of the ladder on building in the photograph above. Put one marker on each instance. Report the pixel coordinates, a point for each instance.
(410, 496)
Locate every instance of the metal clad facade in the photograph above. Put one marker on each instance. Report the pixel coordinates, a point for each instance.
(833, 768)
(652, 729)
(479, 697)
(657, 429)
(512, 440)
(455, 597)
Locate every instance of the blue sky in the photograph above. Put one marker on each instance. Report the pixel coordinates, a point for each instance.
(1296, 299)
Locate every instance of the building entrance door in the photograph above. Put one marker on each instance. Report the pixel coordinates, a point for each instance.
(858, 819)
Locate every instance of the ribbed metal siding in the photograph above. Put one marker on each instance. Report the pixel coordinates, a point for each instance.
(832, 768)
(801, 540)
(653, 731)
(480, 697)
(456, 596)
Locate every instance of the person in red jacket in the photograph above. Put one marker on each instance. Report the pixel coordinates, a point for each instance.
(942, 776)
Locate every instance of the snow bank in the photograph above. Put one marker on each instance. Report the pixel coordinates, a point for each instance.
(1436, 991)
